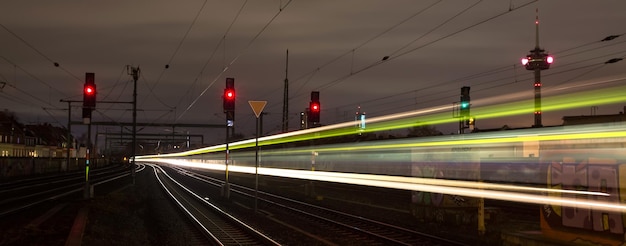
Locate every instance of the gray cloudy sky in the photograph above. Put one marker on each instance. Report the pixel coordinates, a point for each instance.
(335, 47)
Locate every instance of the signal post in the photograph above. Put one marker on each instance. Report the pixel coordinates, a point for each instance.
(89, 103)
(229, 110)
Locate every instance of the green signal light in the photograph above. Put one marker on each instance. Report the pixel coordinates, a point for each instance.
(465, 105)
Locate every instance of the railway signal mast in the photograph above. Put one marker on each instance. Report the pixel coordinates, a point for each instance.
(536, 61)
(229, 110)
(89, 104)
(464, 115)
(314, 110)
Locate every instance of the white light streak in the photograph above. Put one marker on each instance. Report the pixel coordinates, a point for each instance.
(450, 187)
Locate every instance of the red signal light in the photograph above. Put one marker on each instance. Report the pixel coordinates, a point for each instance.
(314, 112)
(89, 90)
(315, 107)
(229, 94)
(229, 100)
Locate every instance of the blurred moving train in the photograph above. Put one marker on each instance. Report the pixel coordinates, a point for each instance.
(572, 173)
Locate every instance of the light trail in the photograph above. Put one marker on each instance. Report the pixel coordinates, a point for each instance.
(430, 116)
(442, 186)
(294, 162)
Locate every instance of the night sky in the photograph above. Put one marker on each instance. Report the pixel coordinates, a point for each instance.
(186, 49)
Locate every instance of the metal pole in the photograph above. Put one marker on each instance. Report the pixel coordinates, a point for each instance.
(538, 122)
(226, 189)
(286, 96)
(256, 172)
(135, 74)
(87, 192)
(69, 133)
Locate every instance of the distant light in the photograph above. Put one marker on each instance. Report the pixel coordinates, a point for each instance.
(550, 59)
(524, 61)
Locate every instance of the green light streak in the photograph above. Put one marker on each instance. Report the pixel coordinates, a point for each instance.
(478, 141)
(399, 121)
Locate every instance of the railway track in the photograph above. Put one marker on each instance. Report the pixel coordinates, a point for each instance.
(337, 226)
(220, 227)
(24, 194)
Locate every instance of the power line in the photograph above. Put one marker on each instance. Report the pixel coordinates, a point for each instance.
(186, 34)
(367, 67)
(213, 53)
(180, 44)
(351, 51)
(28, 94)
(33, 76)
(435, 28)
(243, 51)
(495, 71)
(56, 64)
(595, 67)
(331, 61)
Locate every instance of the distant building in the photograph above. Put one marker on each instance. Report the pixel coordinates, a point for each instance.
(531, 148)
(591, 119)
(19, 140)
(13, 136)
(50, 141)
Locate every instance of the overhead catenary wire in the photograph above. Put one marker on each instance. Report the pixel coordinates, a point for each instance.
(33, 76)
(30, 95)
(447, 94)
(443, 37)
(501, 69)
(389, 58)
(495, 71)
(435, 28)
(144, 80)
(351, 51)
(180, 44)
(606, 39)
(56, 64)
(243, 51)
(115, 85)
(222, 40)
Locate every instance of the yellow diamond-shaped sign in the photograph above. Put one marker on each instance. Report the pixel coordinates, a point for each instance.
(257, 107)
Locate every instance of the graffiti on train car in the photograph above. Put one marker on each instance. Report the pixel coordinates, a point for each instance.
(520, 170)
(459, 164)
(597, 171)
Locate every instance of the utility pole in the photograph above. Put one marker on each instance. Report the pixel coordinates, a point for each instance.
(69, 132)
(286, 97)
(134, 71)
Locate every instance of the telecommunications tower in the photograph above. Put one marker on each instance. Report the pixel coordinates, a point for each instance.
(536, 61)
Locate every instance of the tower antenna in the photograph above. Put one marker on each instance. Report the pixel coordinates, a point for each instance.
(536, 61)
